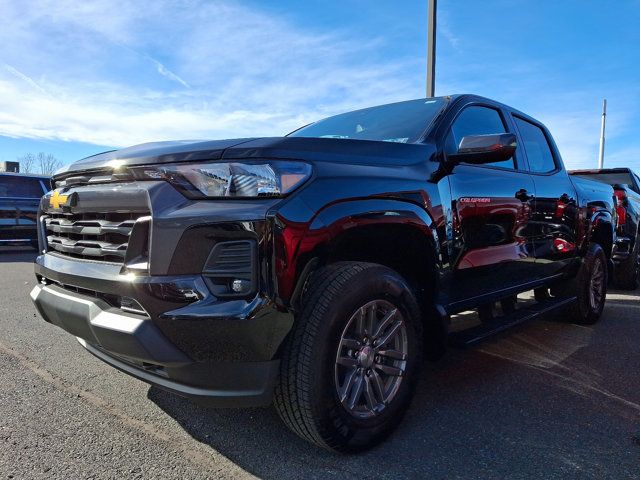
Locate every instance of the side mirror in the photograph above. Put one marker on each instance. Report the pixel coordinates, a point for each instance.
(480, 149)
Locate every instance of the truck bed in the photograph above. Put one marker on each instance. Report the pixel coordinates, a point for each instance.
(592, 190)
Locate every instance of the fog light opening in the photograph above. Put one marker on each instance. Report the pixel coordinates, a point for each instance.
(241, 286)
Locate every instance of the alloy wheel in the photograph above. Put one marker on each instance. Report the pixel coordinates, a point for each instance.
(371, 358)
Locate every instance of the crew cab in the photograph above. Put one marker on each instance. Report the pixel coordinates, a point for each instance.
(19, 200)
(626, 251)
(317, 270)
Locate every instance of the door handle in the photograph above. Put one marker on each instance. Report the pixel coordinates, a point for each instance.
(523, 195)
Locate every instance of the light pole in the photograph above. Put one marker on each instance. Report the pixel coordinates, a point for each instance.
(604, 121)
(431, 48)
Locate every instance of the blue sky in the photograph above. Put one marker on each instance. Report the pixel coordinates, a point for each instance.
(77, 78)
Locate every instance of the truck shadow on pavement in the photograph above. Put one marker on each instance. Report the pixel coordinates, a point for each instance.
(506, 409)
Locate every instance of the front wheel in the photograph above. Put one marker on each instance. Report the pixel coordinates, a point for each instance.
(349, 369)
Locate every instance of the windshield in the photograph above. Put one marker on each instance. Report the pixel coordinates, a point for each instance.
(402, 122)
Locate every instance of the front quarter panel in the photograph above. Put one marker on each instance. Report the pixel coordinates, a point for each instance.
(344, 197)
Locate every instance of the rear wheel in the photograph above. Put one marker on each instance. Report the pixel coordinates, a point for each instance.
(626, 273)
(589, 286)
(541, 294)
(485, 312)
(349, 369)
(509, 304)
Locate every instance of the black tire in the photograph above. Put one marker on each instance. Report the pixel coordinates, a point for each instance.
(509, 304)
(541, 294)
(306, 395)
(625, 275)
(485, 312)
(591, 278)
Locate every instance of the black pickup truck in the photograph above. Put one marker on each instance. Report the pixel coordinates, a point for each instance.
(19, 200)
(316, 270)
(626, 251)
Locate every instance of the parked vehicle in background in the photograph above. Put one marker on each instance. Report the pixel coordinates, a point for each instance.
(626, 252)
(319, 268)
(19, 200)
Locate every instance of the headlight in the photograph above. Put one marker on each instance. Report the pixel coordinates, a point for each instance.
(229, 179)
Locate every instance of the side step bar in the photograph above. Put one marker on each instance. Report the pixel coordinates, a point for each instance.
(475, 335)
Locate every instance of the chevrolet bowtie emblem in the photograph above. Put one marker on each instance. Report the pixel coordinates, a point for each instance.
(56, 200)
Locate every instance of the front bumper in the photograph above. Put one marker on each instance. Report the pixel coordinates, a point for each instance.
(134, 345)
(236, 385)
(96, 322)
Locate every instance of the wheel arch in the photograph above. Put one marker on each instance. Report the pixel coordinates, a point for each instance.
(397, 234)
(372, 231)
(602, 232)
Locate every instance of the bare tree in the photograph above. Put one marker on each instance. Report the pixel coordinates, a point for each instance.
(43, 163)
(48, 163)
(27, 163)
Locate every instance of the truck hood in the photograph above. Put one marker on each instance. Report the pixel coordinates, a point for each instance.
(153, 153)
(347, 151)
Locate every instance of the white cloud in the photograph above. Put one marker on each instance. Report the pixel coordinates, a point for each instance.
(164, 71)
(444, 29)
(114, 73)
(30, 81)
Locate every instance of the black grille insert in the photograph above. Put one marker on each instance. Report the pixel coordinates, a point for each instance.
(100, 236)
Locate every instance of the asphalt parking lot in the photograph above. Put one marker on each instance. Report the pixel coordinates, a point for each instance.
(547, 400)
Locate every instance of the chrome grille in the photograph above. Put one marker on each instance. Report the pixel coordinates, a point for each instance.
(96, 236)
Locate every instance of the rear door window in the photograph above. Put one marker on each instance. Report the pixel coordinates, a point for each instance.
(21, 187)
(536, 147)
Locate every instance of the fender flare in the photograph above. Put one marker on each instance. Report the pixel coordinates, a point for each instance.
(340, 217)
(601, 228)
(349, 214)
